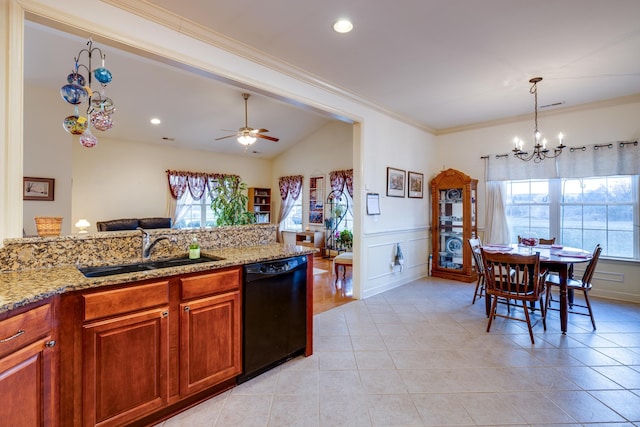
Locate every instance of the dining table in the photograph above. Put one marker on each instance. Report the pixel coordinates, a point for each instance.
(553, 258)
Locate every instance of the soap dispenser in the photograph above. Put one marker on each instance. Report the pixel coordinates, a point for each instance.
(194, 249)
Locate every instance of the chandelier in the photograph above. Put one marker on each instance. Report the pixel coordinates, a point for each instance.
(540, 150)
(78, 90)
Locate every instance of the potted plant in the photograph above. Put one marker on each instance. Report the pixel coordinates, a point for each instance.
(345, 239)
(229, 202)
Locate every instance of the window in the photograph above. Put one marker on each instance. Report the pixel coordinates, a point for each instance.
(293, 221)
(579, 212)
(194, 213)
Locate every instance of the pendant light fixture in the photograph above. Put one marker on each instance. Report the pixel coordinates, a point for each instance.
(540, 150)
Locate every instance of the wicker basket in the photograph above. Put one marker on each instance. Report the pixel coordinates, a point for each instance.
(48, 225)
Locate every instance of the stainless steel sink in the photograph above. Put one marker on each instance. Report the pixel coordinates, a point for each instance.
(110, 270)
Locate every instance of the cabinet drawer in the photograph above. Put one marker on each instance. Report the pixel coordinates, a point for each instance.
(124, 300)
(209, 284)
(24, 328)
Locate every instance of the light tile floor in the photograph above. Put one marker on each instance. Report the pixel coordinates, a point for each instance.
(419, 355)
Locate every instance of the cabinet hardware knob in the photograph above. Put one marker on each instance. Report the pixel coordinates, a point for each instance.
(16, 335)
(50, 344)
(186, 308)
(165, 313)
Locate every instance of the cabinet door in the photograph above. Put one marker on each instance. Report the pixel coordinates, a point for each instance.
(27, 387)
(125, 367)
(210, 341)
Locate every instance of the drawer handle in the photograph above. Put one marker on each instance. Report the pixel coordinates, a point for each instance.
(16, 335)
(186, 308)
(50, 344)
(165, 314)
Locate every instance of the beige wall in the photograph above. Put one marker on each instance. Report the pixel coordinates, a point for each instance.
(379, 139)
(598, 125)
(329, 148)
(47, 154)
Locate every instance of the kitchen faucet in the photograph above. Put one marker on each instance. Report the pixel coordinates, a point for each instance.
(147, 244)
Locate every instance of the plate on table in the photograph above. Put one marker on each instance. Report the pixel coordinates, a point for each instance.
(497, 248)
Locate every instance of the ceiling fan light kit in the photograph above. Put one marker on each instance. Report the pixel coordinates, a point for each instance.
(247, 135)
(540, 150)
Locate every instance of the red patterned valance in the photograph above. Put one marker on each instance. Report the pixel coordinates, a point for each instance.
(197, 182)
(341, 179)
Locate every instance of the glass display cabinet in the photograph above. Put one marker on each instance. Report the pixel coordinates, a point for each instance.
(454, 221)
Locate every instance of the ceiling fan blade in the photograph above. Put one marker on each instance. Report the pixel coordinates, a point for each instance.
(259, 130)
(270, 138)
(225, 137)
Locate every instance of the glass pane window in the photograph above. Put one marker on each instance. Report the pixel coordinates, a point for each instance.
(528, 207)
(293, 221)
(579, 212)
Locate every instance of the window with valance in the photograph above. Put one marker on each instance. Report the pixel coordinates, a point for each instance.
(190, 197)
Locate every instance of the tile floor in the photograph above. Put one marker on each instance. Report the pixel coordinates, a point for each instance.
(419, 355)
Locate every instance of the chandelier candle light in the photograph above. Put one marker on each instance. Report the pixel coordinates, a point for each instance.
(78, 90)
(540, 150)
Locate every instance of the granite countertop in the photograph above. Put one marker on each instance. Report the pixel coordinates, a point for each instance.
(19, 288)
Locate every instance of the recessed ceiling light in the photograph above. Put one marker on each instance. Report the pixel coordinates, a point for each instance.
(342, 26)
(155, 121)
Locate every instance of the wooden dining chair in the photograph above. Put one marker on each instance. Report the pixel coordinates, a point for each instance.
(573, 285)
(550, 241)
(475, 245)
(515, 277)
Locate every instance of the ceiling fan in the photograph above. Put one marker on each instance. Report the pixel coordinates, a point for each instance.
(247, 135)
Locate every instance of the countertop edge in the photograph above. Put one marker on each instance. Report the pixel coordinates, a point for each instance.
(22, 288)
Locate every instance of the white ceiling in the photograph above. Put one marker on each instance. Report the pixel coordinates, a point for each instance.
(440, 64)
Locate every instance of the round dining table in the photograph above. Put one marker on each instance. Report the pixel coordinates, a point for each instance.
(554, 258)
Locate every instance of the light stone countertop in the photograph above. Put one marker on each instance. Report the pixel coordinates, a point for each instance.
(20, 288)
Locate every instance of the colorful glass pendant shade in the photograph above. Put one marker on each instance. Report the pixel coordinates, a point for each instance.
(101, 120)
(103, 75)
(78, 90)
(74, 94)
(75, 125)
(88, 140)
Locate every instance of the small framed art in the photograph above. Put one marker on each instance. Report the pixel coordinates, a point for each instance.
(415, 185)
(37, 188)
(395, 182)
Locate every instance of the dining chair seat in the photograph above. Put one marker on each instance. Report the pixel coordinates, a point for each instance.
(573, 285)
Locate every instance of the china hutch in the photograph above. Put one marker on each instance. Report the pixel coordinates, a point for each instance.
(454, 222)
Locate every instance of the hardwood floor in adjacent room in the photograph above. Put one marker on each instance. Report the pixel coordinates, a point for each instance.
(328, 294)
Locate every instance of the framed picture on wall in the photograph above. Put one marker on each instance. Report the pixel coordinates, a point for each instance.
(37, 188)
(395, 182)
(316, 199)
(415, 185)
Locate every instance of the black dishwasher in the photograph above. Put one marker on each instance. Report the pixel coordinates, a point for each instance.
(274, 314)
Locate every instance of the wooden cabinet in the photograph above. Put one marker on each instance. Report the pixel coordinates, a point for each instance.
(210, 337)
(260, 204)
(125, 353)
(454, 208)
(311, 239)
(146, 349)
(28, 374)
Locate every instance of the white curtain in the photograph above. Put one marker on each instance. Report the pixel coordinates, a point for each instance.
(290, 190)
(496, 229)
(617, 158)
(507, 167)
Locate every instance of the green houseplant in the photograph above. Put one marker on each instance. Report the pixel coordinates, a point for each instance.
(229, 202)
(345, 239)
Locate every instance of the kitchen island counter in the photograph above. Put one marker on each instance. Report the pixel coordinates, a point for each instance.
(23, 287)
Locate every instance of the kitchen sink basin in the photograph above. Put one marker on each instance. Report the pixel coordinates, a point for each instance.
(110, 270)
